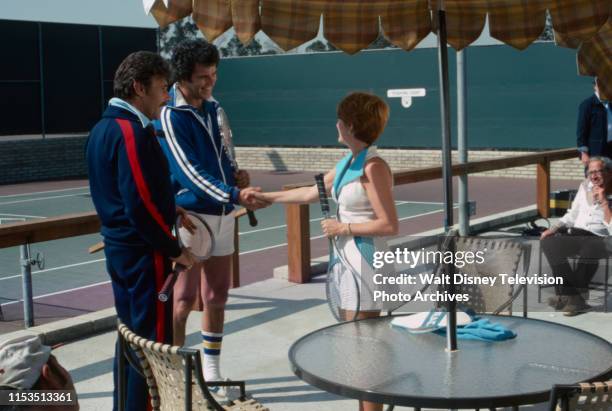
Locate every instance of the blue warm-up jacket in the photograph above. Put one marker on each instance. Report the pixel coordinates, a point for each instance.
(202, 174)
(592, 130)
(130, 183)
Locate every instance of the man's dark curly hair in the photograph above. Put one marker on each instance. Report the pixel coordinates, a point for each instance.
(140, 66)
(191, 52)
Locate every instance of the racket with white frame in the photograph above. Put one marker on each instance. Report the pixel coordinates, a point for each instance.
(200, 244)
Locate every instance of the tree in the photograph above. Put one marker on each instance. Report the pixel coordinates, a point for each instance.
(235, 48)
(232, 48)
(171, 35)
(548, 33)
(316, 47)
(381, 42)
(331, 47)
(253, 48)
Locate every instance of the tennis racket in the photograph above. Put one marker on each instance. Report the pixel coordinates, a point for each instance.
(230, 151)
(342, 282)
(200, 244)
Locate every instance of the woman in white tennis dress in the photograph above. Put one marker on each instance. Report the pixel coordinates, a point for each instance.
(354, 207)
(361, 184)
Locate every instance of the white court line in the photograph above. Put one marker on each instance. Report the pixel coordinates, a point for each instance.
(43, 192)
(46, 270)
(59, 292)
(20, 215)
(418, 202)
(243, 253)
(275, 227)
(321, 236)
(399, 203)
(29, 200)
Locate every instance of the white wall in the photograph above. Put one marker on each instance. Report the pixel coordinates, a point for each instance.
(105, 12)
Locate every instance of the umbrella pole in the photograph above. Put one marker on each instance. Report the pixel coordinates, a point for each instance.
(451, 328)
(464, 214)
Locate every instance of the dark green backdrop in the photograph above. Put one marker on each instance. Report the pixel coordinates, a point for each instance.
(522, 100)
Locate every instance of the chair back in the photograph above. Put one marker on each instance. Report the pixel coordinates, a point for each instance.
(596, 396)
(170, 373)
(502, 256)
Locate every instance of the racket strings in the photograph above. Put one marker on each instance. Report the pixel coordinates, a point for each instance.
(343, 287)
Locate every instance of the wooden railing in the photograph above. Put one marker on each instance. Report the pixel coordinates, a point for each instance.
(297, 215)
(73, 225)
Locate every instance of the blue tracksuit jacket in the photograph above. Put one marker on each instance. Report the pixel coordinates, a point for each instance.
(130, 183)
(202, 174)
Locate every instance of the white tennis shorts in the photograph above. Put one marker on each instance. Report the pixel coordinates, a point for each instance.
(222, 227)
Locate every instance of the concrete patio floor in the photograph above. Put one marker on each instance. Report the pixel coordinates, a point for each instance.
(263, 320)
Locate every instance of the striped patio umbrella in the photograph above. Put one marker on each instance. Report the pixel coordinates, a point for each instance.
(351, 25)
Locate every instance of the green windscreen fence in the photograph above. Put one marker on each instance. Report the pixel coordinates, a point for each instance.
(516, 100)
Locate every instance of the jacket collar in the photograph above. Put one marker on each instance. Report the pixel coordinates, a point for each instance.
(595, 100)
(177, 99)
(117, 102)
(114, 112)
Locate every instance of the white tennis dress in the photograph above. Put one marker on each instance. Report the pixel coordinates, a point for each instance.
(354, 207)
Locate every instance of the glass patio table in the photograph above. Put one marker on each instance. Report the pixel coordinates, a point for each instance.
(371, 360)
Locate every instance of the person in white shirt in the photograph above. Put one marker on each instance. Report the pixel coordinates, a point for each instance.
(581, 233)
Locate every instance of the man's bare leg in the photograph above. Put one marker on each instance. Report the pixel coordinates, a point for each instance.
(184, 296)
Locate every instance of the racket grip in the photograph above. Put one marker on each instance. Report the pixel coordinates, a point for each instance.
(252, 218)
(166, 291)
(320, 179)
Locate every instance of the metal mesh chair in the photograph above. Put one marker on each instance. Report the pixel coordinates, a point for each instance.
(502, 256)
(596, 396)
(171, 373)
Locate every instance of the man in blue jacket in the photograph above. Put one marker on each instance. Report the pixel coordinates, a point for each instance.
(131, 190)
(205, 183)
(594, 131)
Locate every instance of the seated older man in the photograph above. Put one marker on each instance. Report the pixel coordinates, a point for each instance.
(581, 234)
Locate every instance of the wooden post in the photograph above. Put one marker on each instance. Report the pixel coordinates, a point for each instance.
(298, 242)
(235, 282)
(543, 188)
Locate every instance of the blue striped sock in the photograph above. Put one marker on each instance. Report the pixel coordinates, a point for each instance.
(211, 347)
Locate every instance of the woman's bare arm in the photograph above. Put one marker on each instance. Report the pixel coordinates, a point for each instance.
(302, 195)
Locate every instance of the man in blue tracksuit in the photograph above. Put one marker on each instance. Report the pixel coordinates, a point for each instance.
(131, 190)
(205, 183)
(594, 130)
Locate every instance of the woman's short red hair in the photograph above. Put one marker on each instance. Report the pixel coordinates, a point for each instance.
(365, 113)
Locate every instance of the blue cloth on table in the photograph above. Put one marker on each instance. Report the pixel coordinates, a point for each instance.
(482, 330)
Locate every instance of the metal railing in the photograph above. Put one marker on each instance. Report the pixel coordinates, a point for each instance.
(23, 234)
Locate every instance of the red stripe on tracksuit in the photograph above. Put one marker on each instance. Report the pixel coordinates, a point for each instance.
(145, 195)
(141, 185)
(160, 320)
(160, 317)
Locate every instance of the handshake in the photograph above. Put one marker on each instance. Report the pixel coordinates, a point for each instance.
(253, 198)
(250, 198)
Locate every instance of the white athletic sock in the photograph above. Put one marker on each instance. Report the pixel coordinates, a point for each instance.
(211, 347)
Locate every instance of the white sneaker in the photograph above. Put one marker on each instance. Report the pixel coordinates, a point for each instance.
(224, 393)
